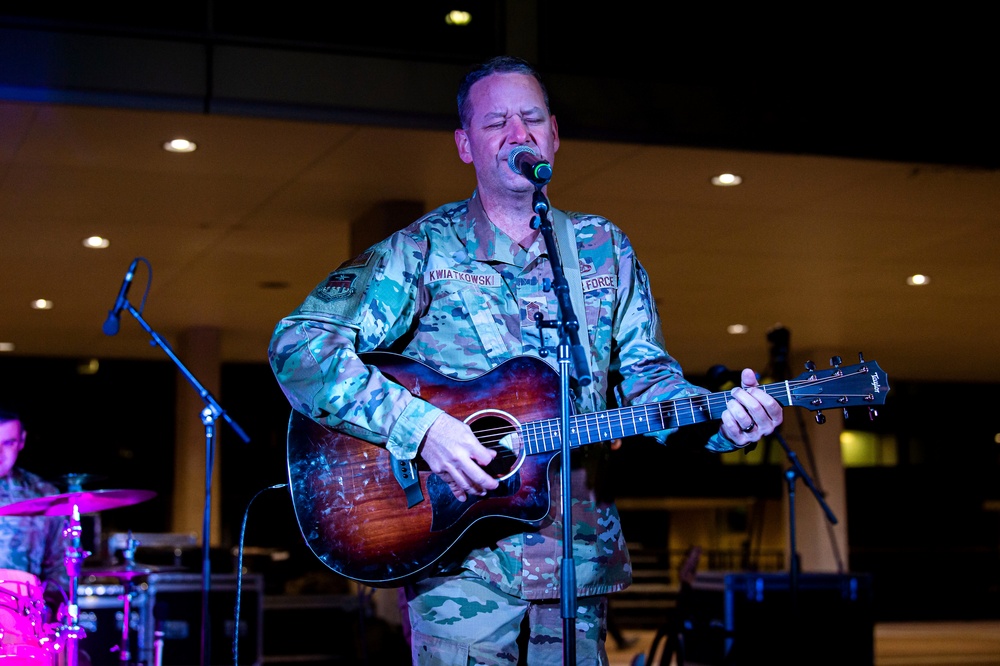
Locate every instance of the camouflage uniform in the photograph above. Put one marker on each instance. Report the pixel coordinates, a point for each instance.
(32, 543)
(453, 291)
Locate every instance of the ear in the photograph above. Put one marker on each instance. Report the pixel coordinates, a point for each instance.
(462, 143)
(24, 436)
(555, 134)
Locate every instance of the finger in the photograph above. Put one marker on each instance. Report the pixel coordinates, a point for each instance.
(456, 488)
(748, 378)
(745, 410)
(734, 431)
(467, 469)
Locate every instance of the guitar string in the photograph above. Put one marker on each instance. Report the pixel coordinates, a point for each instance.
(713, 401)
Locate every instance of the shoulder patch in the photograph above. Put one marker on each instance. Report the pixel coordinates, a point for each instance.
(359, 261)
(340, 284)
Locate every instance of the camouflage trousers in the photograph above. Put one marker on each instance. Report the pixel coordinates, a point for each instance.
(464, 621)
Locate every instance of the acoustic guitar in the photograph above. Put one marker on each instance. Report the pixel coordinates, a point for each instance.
(378, 520)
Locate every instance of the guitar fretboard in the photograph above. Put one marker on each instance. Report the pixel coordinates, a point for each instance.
(544, 436)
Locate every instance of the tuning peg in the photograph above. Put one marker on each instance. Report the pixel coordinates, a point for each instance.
(872, 413)
(820, 418)
(846, 416)
(810, 366)
(835, 361)
(861, 357)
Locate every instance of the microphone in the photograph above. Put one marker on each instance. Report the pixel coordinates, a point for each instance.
(112, 322)
(526, 162)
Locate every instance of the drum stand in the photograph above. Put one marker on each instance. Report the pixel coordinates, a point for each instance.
(124, 656)
(69, 633)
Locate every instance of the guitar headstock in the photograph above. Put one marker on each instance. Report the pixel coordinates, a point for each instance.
(864, 384)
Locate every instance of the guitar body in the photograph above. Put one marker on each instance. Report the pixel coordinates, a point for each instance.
(351, 509)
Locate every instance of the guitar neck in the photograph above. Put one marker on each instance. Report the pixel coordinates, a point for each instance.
(544, 436)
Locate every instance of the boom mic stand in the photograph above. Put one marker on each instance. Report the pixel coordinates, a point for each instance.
(797, 471)
(209, 415)
(569, 348)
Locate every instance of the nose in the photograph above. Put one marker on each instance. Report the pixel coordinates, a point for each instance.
(518, 130)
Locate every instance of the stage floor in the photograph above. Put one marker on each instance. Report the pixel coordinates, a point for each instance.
(975, 643)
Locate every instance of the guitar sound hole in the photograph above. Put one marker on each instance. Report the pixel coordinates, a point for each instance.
(497, 433)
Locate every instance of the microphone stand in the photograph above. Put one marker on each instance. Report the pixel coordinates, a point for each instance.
(209, 415)
(569, 347)
(797, 471)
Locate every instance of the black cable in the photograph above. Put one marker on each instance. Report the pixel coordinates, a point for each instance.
(239, 572)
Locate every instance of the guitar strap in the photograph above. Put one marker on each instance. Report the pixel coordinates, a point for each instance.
(566, 240)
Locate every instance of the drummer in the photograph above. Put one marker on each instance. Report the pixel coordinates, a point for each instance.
(33, 544)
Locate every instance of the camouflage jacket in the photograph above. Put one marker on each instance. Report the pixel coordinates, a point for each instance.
(31, 543)
(456, 293)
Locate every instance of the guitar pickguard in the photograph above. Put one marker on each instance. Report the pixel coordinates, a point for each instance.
(447, 510)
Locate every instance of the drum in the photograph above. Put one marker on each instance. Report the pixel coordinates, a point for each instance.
(22, 617)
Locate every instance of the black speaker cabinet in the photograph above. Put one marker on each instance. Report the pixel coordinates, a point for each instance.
(170, 603)
(745, 618)
(173, 603)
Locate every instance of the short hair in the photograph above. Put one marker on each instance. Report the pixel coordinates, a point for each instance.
(497, 65)
(7, 415)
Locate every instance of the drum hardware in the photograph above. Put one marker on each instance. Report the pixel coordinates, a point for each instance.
(74, 481)
(22, 612)
(66, 636)
(126, 573)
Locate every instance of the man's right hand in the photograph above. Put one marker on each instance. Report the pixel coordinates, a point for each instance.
(454, 454)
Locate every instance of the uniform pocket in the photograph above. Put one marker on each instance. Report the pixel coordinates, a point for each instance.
(436, 651)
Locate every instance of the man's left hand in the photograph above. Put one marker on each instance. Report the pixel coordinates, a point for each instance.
(751, 414)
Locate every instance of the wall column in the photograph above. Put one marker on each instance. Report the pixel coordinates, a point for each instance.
(822, 547)
(199, 349)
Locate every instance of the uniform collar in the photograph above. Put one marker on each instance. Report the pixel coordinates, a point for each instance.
(485, 242)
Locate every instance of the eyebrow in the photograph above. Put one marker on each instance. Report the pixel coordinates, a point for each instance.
(503, 114)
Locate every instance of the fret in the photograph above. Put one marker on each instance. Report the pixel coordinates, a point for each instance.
(522, 432)
(642, 417)
(555, 437)
(704, 411)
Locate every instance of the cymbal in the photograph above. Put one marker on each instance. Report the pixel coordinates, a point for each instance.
(128, 572)
(88, 501)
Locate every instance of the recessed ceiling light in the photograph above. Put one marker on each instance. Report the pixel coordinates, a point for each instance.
(726, 180)
(737, 329)
(918, 280)
(458, 17)
(180, 146)
(6, 346)
(41, 304)
(96, 242)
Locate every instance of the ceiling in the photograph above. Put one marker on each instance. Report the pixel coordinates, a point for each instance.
(239, 231)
